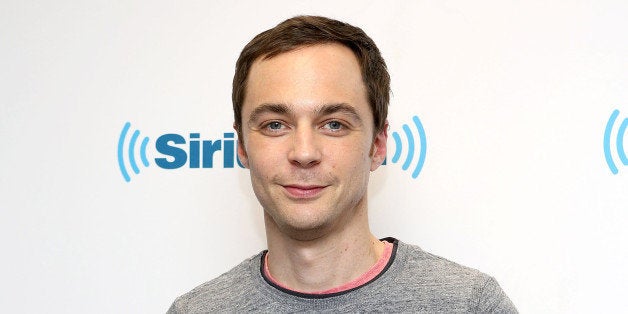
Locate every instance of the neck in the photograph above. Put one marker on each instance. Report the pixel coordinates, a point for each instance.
(327, 261)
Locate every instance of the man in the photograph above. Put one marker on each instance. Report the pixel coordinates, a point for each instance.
(310, 101)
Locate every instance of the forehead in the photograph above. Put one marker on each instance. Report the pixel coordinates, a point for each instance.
(307, 76)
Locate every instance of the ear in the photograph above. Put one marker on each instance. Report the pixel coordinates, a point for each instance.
(379, 148)
(243, 157)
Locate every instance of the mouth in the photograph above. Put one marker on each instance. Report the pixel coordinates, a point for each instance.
(303, 191)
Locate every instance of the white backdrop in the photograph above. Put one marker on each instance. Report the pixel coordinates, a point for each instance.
(514, 97)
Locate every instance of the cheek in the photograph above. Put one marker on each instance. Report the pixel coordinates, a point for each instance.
(263, 161)
(348, 157)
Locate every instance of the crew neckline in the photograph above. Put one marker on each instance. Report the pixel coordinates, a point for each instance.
(331, 292)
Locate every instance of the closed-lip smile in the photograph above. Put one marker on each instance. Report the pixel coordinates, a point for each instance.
(299, 191)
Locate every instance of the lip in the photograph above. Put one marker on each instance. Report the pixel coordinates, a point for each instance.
(303, 191)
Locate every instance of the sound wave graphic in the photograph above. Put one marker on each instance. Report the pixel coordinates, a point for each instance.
(619, 142)
(131, 151)
(411, 147)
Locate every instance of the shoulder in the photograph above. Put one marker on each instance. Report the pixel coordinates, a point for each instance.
(228, 288)
(451, 282)
(431, 265)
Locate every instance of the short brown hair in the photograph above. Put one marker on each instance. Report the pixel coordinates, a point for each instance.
(302, 31)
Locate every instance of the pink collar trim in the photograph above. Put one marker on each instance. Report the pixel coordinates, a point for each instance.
(364, 278)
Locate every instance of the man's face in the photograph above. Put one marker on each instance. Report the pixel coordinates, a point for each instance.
(308, 139)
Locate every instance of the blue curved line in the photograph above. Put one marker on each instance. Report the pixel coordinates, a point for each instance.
(410, 156)
(422, 138)
(397, 139)
(132, 151)
(607, 141)
(143, 152)
(125, 129)
(620, 142)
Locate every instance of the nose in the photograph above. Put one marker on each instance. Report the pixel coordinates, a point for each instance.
(305, 151)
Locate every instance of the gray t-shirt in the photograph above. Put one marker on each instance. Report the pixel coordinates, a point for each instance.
(413, 281)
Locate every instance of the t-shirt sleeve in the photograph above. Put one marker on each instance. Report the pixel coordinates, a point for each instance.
(492, 299)
(174, 308)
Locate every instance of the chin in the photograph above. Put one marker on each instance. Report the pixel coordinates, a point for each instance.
(305, 229)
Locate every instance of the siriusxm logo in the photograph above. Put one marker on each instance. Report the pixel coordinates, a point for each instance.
(131, 152)
(178, 151)
(197, 154)
(411, 147)
(619, 142)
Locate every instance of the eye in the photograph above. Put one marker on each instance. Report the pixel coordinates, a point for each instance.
(274, 128)
(275, 125)
(334, 125)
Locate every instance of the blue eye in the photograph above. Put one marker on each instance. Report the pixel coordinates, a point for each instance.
(275, 125)
(334, 125)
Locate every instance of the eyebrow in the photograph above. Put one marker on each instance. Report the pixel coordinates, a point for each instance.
(266, 108)
(323, 110)
(339, 108)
